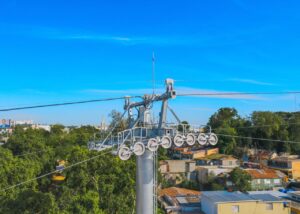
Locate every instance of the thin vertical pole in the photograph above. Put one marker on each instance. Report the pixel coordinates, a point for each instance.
(153, 72)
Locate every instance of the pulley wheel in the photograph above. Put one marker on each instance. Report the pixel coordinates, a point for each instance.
(124, 153)
(166, 142)
(139, 148)
(202, 139)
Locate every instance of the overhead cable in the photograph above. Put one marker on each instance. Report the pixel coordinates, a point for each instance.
(256, 138)
(259, 126)
(61, 104)
(237, 93)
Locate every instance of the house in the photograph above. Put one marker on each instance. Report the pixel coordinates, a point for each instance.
(265, 179)
(205, 172)
(229, 162)
(287, 164)
(293, 197)
(188, 153)
(220, 160)
(215, 165)
(180, 201)
(174, 170)
(260, 156)
(222, 202)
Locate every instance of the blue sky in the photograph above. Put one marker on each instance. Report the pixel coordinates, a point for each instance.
(52, 51)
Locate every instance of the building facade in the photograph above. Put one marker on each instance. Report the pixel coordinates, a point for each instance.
(222, 202)
(220, 160)
(265, 179)
(289, 164)
(188, 153)
(205, 172)
(176, 170)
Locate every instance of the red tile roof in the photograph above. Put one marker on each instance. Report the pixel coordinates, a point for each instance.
(174, 191)
(263, 173)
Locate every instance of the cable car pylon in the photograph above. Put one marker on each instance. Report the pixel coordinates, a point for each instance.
(144, 137)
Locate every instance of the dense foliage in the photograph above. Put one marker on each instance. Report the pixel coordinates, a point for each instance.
(103, 185)
(261, 124)
(241, 180)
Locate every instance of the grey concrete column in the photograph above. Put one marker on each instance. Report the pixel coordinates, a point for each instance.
(144, 183)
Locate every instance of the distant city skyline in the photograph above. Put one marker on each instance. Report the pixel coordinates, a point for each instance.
(53, 51)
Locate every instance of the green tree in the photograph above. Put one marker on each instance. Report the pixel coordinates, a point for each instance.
(29, 202)
(271, 126)
(117, 120)
(224, 123)
(294, 130)
(241, 179)
(184, 126)
(103, 185)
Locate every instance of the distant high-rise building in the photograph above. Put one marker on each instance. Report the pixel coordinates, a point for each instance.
(103, 126)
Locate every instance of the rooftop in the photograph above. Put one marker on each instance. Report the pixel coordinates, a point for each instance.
(287, 158)
(265, 197)
(223, 197)
(217, 157)
(264, 173)
(277, 194)
(175, 191)
(178, 199)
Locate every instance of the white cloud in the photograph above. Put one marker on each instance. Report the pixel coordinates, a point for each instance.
(205, 40)
(250, 81)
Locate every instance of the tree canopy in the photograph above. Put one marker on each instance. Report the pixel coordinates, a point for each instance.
(102, 185)
(260, 124)
(107, 184)
(241, 180)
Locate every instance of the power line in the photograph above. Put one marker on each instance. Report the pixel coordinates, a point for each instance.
(255, 138)
(62, 104)
(120, 98)
(261, 126)
(237, 93)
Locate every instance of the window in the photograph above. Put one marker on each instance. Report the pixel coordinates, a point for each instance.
(277, 181)
(235, 209)
(267, 181)
(258, 181)
(269, 206)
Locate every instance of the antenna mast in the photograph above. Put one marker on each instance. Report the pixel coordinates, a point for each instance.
(153, 71)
